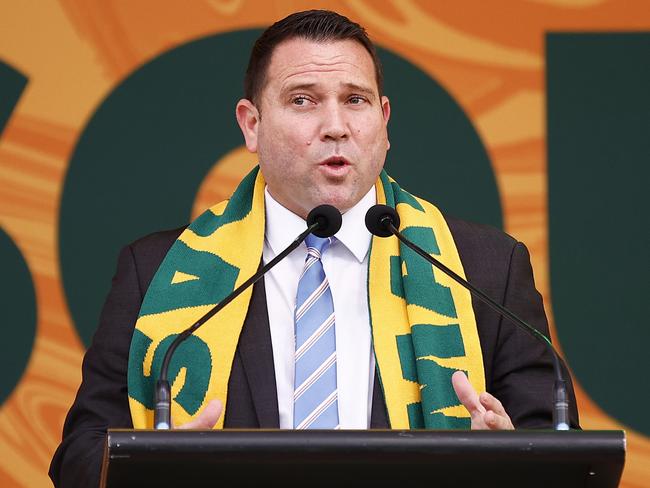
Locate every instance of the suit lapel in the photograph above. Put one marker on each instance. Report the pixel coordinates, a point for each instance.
(256, 353)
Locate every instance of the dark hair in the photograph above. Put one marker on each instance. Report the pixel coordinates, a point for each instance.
(314, 25)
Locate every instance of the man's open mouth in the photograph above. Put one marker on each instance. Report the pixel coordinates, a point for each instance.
(335, 161)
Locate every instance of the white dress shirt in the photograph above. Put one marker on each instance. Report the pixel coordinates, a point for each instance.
(346, 265)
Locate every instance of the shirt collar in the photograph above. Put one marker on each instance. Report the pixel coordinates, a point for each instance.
(282, 225)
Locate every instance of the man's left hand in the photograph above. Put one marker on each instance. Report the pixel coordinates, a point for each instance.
(208, 417)
(486, 411)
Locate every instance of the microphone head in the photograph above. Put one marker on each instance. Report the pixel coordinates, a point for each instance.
(328, 219)
(377, 218)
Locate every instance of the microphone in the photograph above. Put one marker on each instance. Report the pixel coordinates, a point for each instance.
(322, 221)
(383, 221)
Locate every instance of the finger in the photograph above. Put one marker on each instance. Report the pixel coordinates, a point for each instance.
(497, 422)
(498, 418)
(490, 402)
(466, 393)
(207, 418)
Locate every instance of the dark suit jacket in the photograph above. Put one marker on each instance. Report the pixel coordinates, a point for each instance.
(518, 369)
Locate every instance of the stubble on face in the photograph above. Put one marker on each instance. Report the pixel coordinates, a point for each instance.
(322, 127)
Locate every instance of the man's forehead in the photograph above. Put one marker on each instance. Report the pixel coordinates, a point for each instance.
(298, 59)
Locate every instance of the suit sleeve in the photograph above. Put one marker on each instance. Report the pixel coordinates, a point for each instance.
(523, 374)
(102, 399)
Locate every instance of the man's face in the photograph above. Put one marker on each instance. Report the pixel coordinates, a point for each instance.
(320, 132)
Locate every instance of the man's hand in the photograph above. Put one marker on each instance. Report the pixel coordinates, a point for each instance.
(486, 411)
(207, 418)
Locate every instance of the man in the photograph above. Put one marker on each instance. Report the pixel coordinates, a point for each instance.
(316, 116)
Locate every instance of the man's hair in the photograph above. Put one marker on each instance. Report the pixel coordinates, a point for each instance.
(313, 25)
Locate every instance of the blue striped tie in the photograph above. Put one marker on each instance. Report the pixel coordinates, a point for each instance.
(315, 399)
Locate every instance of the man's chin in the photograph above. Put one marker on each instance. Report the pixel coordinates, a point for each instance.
(342, 202)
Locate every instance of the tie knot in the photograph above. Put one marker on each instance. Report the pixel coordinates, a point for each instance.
(316, 246)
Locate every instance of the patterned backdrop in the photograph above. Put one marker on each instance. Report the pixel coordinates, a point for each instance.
(117, 119)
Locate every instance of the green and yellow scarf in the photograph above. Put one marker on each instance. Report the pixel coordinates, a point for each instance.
(423, 325)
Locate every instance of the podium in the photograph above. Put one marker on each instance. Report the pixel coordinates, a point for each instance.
(523, 458)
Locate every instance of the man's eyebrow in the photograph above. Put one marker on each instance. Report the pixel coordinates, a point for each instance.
(355, 87)
(298, 86)
(361, 89)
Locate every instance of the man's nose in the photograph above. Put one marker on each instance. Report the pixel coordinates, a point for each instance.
(334, 124)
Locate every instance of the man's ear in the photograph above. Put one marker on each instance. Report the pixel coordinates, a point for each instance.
(248, 118)
(385, 109)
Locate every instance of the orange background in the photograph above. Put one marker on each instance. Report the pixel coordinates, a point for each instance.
(488, 55)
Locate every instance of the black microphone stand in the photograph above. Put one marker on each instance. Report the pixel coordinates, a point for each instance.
(561, 400)
(319, 223)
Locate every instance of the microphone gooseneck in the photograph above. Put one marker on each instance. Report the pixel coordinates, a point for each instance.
(383, 221)
(323, 221)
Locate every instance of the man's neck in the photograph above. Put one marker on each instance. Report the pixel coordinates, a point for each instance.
(282, 225)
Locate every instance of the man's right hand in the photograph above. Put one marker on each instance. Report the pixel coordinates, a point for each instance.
(207, 418)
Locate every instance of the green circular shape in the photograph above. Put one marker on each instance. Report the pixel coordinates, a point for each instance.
(18, 305)
(143, 155)
(141, 159)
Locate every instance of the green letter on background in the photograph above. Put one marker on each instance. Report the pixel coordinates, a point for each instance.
(17, 296)
(599, 155)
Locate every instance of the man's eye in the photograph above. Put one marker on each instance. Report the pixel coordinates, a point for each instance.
(300, 100)
(356, 100)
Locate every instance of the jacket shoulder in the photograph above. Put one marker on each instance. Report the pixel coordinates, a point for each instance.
(149, 251)
(471, 236)
(164, 239)
(485, 251)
